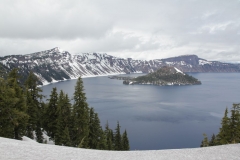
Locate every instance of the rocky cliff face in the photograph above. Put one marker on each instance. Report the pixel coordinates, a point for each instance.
(55, 65)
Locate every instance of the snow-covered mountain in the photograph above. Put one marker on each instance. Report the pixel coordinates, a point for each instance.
(29, 150)
(56, 65)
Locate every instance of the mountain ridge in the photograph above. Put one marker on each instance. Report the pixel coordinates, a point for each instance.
(55, 65)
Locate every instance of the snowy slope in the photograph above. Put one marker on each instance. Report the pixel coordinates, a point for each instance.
(56, 65)
(13, 149)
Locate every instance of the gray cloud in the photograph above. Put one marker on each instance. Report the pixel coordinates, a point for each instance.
(139, 28)
(50, 19)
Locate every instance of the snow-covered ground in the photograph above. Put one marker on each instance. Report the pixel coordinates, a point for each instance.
(25, 150)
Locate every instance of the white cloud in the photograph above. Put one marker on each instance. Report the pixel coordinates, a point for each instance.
(138, 28)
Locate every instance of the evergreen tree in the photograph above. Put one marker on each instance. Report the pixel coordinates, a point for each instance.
(234, 122)
(113, 138)
(13, 117)
(103, 141)
(3, 72)
(6, 106)
(66, 112)
(17, 111)
(224, 135)
(22, 112)
(66, 141)
(35, 107)
(125, 142)
(38, 132)
(237, 123)
(212, 141)
(109, 137)
(205, 141)
(62, 136)
(97, 139)
(93, 130)
(230, 129)
(80, 117)
(117, 138)
(50, 120)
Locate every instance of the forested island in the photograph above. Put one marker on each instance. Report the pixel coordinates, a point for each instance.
(162, 77)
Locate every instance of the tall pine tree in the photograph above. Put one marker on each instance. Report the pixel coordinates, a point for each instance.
(234, 122)
(13, 117)
(224, 135)
(50, 114)
(80, 117)
(205, 140)
(7, 103)
(102, 145)
(62, 136)
(238, 122)
(212, 141)
(17, 113)
(94, 130)
(117, 138)
(109, 137)
(35, 107)
(230, 130)
(125, 142)
(97, 138)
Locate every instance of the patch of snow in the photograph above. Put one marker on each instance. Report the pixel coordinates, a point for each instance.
(202, 62)
(4, 62)
(54, 81)
(178, 70)
(14, 149)
(26, 139)
(183, 63)
(60, 49)
(46, 139)
(85, 76)
(169, 63)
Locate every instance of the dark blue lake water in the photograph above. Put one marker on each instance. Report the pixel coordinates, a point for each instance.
(165, 117)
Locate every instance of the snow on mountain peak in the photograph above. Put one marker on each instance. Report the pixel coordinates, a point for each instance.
(59, 65)
(58, 49)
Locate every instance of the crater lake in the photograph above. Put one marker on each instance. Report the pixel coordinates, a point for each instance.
(160, 117)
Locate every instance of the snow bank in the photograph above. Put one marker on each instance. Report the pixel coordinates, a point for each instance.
(14, 149)
(26, 139)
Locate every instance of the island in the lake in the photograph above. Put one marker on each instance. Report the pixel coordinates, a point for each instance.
(162, 77)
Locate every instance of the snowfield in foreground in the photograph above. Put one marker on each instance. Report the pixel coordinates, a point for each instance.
(25, 150)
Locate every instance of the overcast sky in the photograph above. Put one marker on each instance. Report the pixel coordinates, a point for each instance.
(141, 29)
